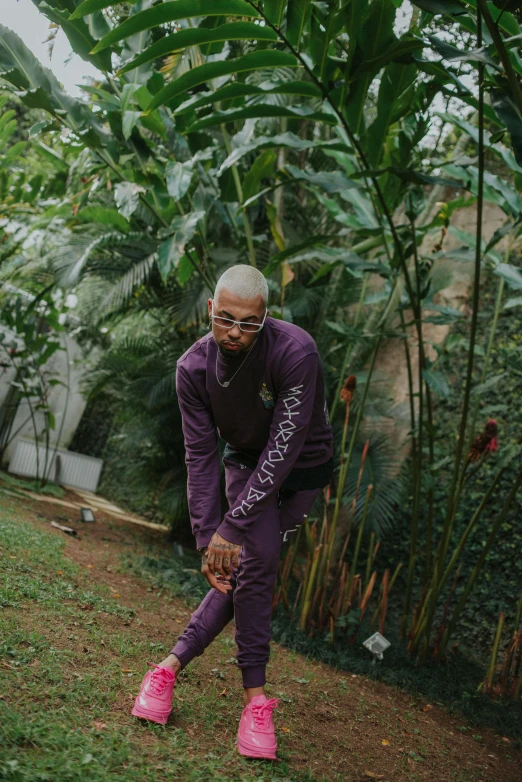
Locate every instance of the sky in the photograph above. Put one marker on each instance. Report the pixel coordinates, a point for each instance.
(33, 28)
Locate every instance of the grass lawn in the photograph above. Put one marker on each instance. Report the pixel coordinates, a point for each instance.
(77, 628)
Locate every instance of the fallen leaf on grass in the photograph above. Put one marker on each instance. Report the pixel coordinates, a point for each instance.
(285, 730)
(68, 530)
(115, 594)
(99, 725)
(90, 566)
(385, 742)
(224, 693)
(428, 707)
(59, 572)
(373, 776)
(127, 670)
(508, 741)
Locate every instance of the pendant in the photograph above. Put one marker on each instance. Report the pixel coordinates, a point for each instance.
(226, 384)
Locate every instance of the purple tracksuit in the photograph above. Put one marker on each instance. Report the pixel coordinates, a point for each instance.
(279, 447)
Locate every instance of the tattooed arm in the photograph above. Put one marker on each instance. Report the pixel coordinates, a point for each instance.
(220, 558)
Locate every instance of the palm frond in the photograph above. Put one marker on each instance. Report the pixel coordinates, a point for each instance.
(70, 259)
(122, 291)
(383, 469)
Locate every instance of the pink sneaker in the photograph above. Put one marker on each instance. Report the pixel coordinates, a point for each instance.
(154, 701)
(256, 734)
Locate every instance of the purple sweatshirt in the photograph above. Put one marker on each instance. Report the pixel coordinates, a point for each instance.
(274, 406)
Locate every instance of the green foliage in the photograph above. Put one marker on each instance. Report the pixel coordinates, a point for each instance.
(498, 588)
(289, 135)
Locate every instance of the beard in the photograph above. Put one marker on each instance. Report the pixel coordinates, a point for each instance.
(231, 355)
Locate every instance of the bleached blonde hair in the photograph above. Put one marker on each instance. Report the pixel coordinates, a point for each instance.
(244, 281)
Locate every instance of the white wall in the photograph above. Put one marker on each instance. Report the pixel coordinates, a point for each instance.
(67, 403)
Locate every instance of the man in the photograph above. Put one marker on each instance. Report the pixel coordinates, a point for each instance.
(258, 384)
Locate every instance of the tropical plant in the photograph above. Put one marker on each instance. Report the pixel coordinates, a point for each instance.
(294, 136)
(30, 331)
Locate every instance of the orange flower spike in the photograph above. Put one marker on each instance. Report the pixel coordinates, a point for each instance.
(348, 389)
(485, 442)
(365, 451)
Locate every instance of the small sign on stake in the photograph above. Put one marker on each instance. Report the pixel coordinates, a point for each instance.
(376, 644)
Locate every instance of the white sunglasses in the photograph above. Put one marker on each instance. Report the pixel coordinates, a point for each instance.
(244, 325)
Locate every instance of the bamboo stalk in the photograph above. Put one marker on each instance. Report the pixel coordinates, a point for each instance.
(338, 604)
(518, 614)
(446, 611)
(349, 347)
(419, 447)
(507, 665)
(485, 367)
(346, 465)
(359, 536)
(488, 682)
(368, 593)
(305, 610)
(384, 602)
(454, 485)
(319, 590)
(517, 686)
(431, 492)
(358, 486)
(485, 550)
(299, 590)
(364, 604)
(419, 623)
(392, 581)
(369, 559)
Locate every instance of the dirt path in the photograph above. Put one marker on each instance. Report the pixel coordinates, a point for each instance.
(333, 725)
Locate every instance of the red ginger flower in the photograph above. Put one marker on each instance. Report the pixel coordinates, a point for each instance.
(348, 389)
(485, 442)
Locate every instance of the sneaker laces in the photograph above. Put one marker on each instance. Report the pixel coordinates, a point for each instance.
(262, 712)
(159, 679)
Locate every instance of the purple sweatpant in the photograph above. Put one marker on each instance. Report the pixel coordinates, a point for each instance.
(249, 602)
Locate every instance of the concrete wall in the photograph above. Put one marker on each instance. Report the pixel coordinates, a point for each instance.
(66, 402)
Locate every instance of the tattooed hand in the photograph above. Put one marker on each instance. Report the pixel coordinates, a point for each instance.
(219, 559)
